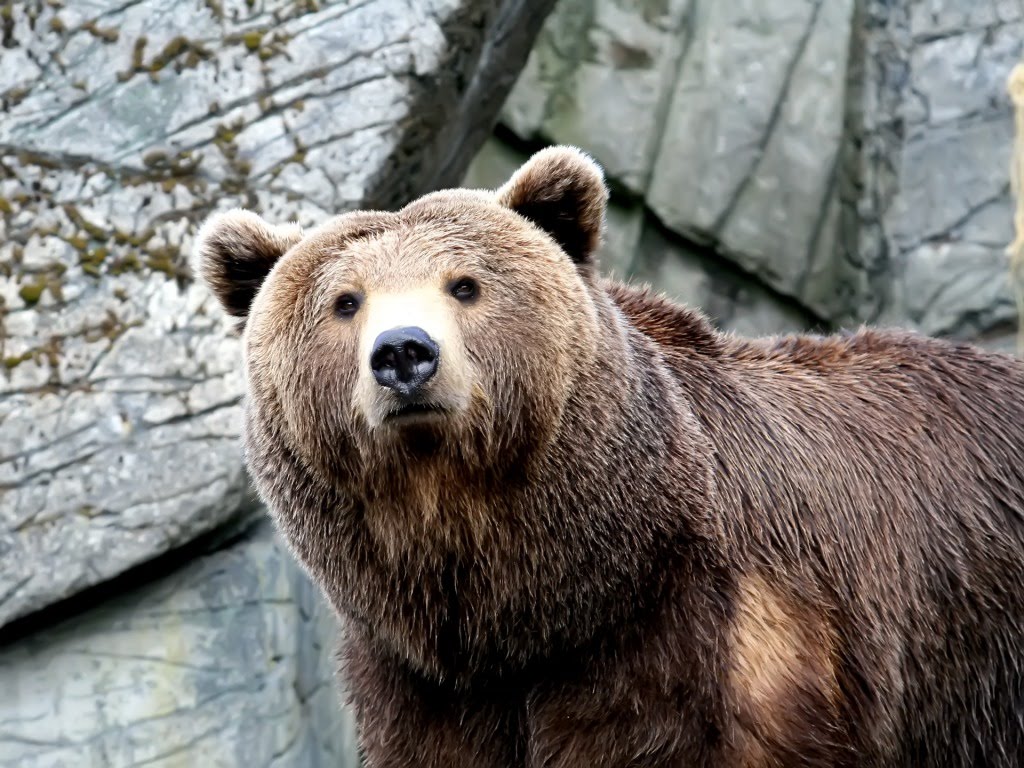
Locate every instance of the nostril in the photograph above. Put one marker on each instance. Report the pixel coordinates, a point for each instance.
(417, 352)
(383, 358)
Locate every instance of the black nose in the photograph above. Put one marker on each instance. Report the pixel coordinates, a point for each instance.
(404, 359)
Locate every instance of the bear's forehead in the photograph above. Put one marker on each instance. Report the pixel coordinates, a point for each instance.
(438, 231)
(441, 216)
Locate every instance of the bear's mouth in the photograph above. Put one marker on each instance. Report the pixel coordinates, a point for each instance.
(414, 412)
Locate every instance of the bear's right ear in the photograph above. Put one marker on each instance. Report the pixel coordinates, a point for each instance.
(562, 191)
(235, 252)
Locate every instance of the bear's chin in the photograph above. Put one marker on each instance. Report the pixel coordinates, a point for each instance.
(412, 439)
(416, 428)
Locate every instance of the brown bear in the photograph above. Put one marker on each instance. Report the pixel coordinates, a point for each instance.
(568, 524)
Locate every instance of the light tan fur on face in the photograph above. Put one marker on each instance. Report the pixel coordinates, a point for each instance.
(781, 661)
(421, 306)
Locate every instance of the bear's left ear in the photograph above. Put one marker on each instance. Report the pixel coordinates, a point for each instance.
(562, 191)
(234, 253)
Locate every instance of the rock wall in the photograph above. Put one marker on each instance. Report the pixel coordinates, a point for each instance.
(124, 125)
(225, 662)
(791, 164)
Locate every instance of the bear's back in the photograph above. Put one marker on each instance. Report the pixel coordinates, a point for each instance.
(879, 476)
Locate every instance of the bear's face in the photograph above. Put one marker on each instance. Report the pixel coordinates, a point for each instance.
(455, 328)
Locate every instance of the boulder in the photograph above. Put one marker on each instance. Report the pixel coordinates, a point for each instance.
(934, 211)
(125, 124)
(851, 156)
(726, 119)
(227, 662)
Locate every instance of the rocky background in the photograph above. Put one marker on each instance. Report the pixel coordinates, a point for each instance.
(801, 164)
(796, 164)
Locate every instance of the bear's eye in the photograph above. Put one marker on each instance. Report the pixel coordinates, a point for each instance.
(346, 305)
(464, 289)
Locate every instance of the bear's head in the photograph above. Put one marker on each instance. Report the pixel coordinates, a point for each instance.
(456, 327)
(455, 422)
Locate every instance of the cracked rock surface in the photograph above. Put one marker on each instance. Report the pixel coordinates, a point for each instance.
(226, 663)
(125, 123)
(935, 209)
(851, 157)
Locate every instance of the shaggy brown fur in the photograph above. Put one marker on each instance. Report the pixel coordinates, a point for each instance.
(629, 540)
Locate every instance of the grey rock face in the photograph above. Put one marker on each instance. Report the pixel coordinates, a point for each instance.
(935, 211)
(853, 156)
(227, 663)
(725, 118)
(749, 154)
(600, 77)
(125, 124)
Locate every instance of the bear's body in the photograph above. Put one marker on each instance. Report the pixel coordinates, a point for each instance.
(591, 531)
